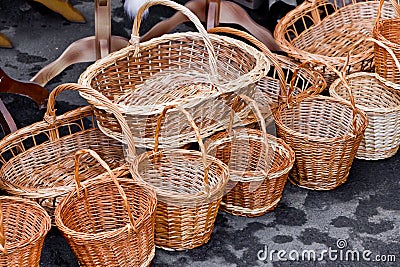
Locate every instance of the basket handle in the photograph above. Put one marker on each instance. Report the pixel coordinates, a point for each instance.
(381, 2)
(3, 248)
(257, 43)
(259, 116)
(50, 115)
(198, 137)
(304, 94)
(78, 185)
(309, 92)
(135, 39)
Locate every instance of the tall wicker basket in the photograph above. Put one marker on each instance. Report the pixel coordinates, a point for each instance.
(387, 31)
(110, 221)
(258, 163)
(23, 228)
(325, 31)
(189, 186)
(324, 133)
(198, 71)
(37, 160)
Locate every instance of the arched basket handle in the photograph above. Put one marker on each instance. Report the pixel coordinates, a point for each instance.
(78, 185)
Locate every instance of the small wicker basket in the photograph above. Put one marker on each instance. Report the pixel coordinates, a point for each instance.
(324, 133)
(380, 100)
(37, 160)
(23, 228)
(109, 222)
(325, 31)
(388, 32)
(254, 187)
(189, 186)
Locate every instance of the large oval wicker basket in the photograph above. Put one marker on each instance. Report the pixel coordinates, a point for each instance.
(110, 221)
(189, 186)
(37, 160)
(23, 228)
(325, 31)
(325, 134)
(198, 71)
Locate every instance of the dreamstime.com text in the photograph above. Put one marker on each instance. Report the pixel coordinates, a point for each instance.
(339, 253)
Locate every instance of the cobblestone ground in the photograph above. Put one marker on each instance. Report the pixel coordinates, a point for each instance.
(361, 216)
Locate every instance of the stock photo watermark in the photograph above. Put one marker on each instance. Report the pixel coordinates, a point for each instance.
(340, 252)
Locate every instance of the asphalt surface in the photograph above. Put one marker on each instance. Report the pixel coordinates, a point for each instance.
(361, 216)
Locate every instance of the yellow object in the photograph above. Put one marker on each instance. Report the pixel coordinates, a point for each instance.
(64, 8)
(4, 42)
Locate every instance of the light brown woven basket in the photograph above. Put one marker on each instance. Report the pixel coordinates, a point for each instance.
(189, 186)
(254, 188)
(23, 228)
(110, 220)
(388, 32)
(380, 100)
(324, 133)
(269, 88)
(37, 160)
(324, 31)
(198, 71)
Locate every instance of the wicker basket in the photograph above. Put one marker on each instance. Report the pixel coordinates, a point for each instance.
(254, 187)
(380, 100)
(281, 72)
(189, 186)
(388, 32)
(200, 72)
(23, 228)
(324, 31)
(324, 133)
(37, 160)
(109, 222)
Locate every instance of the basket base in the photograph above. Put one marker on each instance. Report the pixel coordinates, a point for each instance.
(315, 186)
(205, 241)
(376, 154)
(247, 212)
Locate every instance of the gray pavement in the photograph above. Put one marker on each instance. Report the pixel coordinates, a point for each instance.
(359, 217)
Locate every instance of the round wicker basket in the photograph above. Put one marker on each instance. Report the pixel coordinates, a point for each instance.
(189, 186)
(325, 134)
(23, 228)
(254, 187)
(110, 220)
